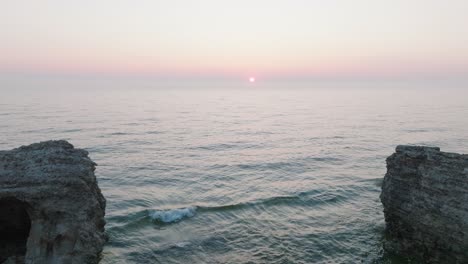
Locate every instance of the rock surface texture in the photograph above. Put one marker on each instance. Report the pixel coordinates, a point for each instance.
(425, 199)
(51, 208)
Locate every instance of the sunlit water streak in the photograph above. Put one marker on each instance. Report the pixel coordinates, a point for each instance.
(239, 176)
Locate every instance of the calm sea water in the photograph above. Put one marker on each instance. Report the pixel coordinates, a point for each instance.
(252, 175)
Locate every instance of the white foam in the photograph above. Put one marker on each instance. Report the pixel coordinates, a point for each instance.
(170, 216)
(182, 244)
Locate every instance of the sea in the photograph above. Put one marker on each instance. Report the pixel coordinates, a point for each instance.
(241, 173)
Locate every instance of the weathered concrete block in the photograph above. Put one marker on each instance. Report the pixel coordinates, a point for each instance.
(425, 199)
(51, 208)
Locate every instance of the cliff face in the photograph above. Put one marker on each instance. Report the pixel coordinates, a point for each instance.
(51, 208)
(425, 199)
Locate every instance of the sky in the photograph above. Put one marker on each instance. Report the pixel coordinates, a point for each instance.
(236, 39)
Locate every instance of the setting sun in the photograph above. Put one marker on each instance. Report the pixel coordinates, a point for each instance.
(251, 79)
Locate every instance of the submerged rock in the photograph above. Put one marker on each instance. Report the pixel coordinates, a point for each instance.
(425, 199)
(51, 208)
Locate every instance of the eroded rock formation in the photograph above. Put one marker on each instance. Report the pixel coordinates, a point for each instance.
(425, 199)
(51, 208)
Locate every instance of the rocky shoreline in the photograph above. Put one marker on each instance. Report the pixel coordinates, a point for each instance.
(425, 199)
(51, 208)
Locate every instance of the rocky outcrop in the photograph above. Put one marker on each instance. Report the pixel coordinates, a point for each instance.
(425, 199)
(51, 208)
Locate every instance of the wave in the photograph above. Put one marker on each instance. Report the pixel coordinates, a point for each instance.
(314, 197)
(226, 146)
(71, 130)
(172, 216)
(153, 132)
(120, 134)
(176, 215)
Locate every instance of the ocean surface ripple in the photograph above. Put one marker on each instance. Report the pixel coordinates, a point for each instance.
(239, 176)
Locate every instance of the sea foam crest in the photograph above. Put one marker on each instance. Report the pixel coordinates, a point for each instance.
(171, 216)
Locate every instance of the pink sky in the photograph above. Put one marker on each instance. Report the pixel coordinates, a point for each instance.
(236, 38)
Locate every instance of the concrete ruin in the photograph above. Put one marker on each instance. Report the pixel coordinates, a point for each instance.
(425, 199)
(51, 208)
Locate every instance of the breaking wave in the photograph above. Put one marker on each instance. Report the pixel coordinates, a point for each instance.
(311, 198)
(172, 216)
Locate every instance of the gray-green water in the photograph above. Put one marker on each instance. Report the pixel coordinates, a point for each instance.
(251, 175)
